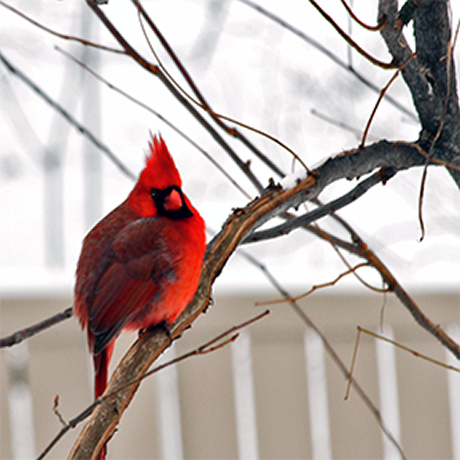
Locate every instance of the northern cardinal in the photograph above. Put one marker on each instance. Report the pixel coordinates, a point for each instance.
(139, 266)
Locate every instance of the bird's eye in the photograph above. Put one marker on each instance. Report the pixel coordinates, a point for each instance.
(154, 193)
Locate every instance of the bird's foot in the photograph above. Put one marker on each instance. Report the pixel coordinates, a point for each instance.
(166, 327)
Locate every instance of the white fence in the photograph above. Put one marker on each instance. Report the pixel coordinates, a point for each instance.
(273, 394)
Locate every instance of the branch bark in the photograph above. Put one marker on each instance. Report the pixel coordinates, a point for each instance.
(430, 77)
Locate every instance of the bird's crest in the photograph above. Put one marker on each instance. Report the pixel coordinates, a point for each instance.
(160, 171)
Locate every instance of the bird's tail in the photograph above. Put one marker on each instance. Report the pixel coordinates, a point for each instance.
(101, 368)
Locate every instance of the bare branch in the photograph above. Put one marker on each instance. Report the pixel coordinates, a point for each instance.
(88, 444)
(212, 345)
(409, 350)
(379, 26)
(350, 41)
(316, 287)
(57, 34)
(382, 176)
(30, 331)
(380, 98)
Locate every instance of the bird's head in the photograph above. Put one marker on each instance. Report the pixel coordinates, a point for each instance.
(158, 190)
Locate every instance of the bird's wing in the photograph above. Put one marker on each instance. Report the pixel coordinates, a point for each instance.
(144, 261)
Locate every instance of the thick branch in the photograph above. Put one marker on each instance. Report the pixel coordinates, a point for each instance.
(433, 48)
(433, 38)
(283, 229)
(422, 95)
(430, 77)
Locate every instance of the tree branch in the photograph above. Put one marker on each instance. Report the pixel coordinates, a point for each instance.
(430, 77)
(413, 74)
(283, 229)
(30, 331)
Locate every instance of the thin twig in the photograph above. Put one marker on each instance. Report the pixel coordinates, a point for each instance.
(315, 287)
(351, 42)
(70, 425)
(213, 345)
(379, 26)
(409, 350)
(56, 411)
(326, 237)
(437, 161)
(352, 366)
(380, 98)
(396, 344)
(59, 35)
(30, 331)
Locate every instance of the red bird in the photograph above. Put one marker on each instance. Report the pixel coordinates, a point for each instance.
(139, 266)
